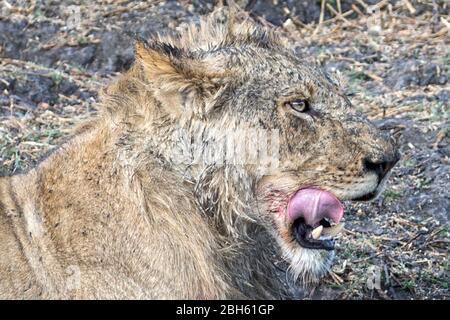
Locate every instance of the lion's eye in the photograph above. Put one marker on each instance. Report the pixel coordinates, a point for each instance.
(299, 105)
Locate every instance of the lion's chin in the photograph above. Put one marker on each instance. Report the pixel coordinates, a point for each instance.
(307, 266)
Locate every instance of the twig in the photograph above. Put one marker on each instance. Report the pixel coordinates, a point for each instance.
(362, 3)
(409, 6)
(356, 9)
(418, 234)
(373, 76)
(439, 137)
(446, 23)
(368, 258)
(296, 21)
(435, 232)
(438, 241)
(336, 278)
(322, 12)
(337, 14)
(347, 13)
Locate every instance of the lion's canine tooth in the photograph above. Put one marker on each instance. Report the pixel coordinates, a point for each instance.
(315, 234)
(334, 230)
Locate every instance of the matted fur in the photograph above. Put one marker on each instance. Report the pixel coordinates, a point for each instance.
(117, 213)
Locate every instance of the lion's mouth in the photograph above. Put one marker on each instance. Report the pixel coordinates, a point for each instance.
(312, 212)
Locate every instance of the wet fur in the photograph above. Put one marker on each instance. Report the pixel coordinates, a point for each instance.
(113, 213)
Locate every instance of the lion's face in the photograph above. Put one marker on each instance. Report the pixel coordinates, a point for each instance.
(223, 81)
(328, 152)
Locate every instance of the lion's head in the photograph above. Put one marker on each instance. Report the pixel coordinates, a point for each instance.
(298, 147)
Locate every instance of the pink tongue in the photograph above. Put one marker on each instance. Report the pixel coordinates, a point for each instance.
(314, 205)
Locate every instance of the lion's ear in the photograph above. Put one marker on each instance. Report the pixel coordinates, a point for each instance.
(158, 59)
(175, 73)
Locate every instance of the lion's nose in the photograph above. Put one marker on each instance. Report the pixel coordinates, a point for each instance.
(381, 168)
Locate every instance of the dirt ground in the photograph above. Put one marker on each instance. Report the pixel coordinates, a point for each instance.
(394, 57)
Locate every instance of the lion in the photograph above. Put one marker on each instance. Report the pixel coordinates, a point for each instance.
(215, 168)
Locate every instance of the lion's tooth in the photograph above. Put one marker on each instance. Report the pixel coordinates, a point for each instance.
(315, 234)
(334, 230)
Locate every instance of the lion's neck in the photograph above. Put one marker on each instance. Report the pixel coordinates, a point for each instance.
(224, 199)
